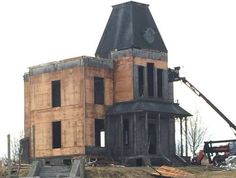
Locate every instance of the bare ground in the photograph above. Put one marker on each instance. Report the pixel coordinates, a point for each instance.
(145, 172)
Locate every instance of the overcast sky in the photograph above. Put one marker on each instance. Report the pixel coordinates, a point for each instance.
(200, 36)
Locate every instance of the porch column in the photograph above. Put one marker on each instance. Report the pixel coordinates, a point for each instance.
(146, 131)
(181, 136)
(121, 135)
(186, 137)
(135, 133)
(159, 133)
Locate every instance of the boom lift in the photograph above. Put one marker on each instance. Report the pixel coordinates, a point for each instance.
(209, 149)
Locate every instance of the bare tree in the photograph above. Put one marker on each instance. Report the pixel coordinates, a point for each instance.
(196, 132)
(15, 147)
(178, 148)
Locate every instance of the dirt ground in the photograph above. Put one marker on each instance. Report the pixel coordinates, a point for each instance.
(145, 172)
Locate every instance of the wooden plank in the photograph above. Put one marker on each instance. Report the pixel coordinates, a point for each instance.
(166, 171)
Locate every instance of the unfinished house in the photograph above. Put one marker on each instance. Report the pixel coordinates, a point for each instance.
(117, 104)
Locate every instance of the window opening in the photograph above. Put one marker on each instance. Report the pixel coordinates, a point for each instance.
(56, 93)
(99, 133)
(56, 134)
(126, 132)
(159, 83)
(140, 80)
(152, 138)
(98, 90)
(150, 68)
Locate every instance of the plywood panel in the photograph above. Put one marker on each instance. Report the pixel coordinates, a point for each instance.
(157, 63)
(72, 128)
(108, 91)
(72, 88)
(107, 74)
(27, 119)
(123, 80)
(90, 132)
(77, 131)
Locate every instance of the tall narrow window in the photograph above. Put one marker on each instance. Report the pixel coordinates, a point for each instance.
(56, 93)
(150, 67)
(98, 90)
(126, 132)
(140, 80)
(56, 134)
(99, 133)
(159, 83)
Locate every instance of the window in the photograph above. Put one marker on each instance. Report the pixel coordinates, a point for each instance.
(99, 133)
(140, 80)
(150, 67)
(98, 90)
(56, 134)
(126, 132)
(56, 93)
(159, 83)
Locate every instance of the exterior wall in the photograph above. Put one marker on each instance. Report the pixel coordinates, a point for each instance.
(27, 123)
(77, 112)
(138, 135)
(71, 113)
(96, 111)
(123, 79)
(165, 136)
(158, 64)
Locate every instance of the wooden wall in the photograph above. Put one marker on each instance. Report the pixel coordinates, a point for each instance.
(157, 63)
(96, 111)
(124, 86)
(123, 80)
(77, 111)
(71, 112)
(27, 123)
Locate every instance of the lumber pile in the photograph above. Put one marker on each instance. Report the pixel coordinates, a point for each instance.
(166, 171)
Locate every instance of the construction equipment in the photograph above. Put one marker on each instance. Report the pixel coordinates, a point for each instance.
(174, 76)
(209, 149)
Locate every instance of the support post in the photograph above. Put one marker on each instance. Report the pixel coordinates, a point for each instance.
(135, 133)
(159, 133)
(181, 136)
(9, 155)
(186, 136)
(121, 135)
(146, 131)
(33, 141)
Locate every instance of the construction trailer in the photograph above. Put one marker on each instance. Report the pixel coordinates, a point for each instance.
(121, 96)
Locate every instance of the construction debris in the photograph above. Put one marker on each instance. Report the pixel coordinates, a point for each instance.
(166, 171)
(230, 162)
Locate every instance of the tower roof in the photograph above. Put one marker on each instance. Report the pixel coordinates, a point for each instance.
(130, 25)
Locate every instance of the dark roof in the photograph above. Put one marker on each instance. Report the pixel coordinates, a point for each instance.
(149, 106)
(130, 25)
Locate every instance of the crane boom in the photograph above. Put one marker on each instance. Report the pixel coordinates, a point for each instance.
(174, 76)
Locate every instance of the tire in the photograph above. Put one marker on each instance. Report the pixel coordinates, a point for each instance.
(218, 160)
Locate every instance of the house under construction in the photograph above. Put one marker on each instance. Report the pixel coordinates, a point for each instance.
(117, 104)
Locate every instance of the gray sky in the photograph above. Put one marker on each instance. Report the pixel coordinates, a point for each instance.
(200, 36)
